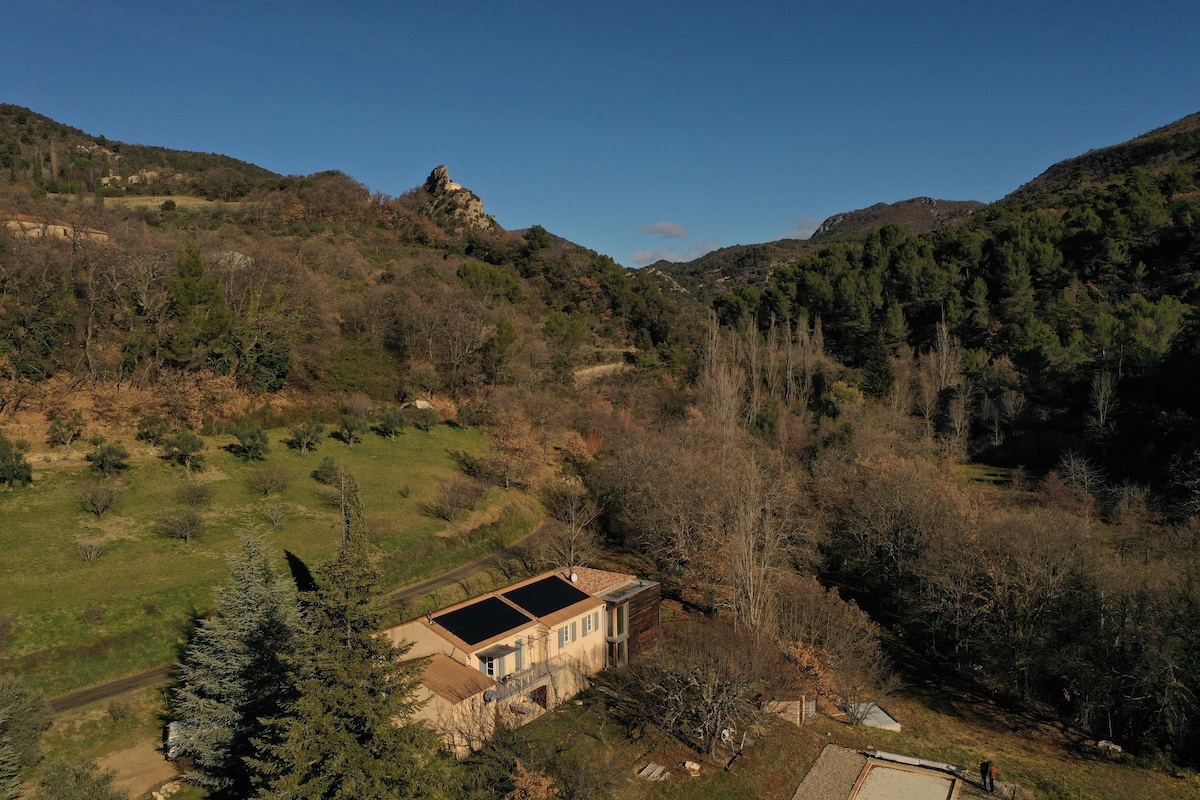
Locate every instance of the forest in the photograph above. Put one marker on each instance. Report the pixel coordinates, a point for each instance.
(799, 463)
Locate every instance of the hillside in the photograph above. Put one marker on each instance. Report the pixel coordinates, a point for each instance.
(753, 264)
(59, 158)
(1160, 151)
(748, 263)
(918, 215)
(895, 451)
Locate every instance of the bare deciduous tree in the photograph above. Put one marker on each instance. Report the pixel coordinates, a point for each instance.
(1104, 403)
(572, 542)
(97, 496)
(180, 523)
(453, 496)
(194, 494)
(704, 681)
(268, 479)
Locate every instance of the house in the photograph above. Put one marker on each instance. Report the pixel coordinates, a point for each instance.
(508, 656)
(33, 227)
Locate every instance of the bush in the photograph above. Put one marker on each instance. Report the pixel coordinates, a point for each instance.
(153, 429)
(327, 471)
(14, 467)
(83, 780)
(424, 418)
(90, 551)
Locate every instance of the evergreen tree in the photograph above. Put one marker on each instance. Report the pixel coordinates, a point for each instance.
(201, 335)
(24, 714)
(349, 734)
(10, 768)
(14, 467)
(81, 781)
(234, 673)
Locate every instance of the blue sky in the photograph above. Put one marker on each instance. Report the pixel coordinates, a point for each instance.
(638, 129)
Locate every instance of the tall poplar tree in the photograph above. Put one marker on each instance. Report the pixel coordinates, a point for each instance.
(235, 673)
(350, 733)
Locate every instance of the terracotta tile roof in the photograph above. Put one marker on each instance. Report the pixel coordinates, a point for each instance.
(453, 681)
(597, 581)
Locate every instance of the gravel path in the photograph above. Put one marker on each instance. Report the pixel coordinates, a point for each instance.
(832, 775)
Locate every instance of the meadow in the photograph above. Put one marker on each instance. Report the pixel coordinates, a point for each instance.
(67, 622)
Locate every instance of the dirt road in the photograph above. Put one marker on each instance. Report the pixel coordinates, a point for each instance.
(82, 697)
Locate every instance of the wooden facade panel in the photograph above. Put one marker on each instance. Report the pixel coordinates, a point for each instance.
(644, 620)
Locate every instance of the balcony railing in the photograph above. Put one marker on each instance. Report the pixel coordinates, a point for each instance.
(521, 682)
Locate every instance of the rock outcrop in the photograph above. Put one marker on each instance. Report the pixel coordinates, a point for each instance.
(454, 207)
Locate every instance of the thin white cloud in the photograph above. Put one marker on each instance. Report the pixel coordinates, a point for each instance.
(667, 230)
(644, 257)
(803, 227)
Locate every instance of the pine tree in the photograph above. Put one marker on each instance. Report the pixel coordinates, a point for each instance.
(349, 734)
(10, 768)
(234, 673)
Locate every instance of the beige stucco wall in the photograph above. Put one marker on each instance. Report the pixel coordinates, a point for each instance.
(464, 727)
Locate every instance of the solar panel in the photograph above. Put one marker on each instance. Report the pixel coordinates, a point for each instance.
(482, 620)
(544, 597)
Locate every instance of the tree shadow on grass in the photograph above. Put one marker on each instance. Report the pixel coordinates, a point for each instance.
(301, 574)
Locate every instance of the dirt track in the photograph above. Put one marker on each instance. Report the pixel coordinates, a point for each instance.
(152, 677)
(141, 680)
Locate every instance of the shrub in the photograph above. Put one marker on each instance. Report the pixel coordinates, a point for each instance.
(14, 467)
(153, 429)
(90, 551)
(327, 471)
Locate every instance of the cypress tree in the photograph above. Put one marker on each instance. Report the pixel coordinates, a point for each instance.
(349, 734)
(234, 673)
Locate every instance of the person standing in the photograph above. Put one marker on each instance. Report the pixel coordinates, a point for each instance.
(991, 777)
(985, 769)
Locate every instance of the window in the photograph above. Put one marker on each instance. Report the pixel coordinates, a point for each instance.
(587, 624)
(487, 666)
(562, 637)
(618, 619)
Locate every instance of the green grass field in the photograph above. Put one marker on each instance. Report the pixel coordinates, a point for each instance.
(74, 623)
